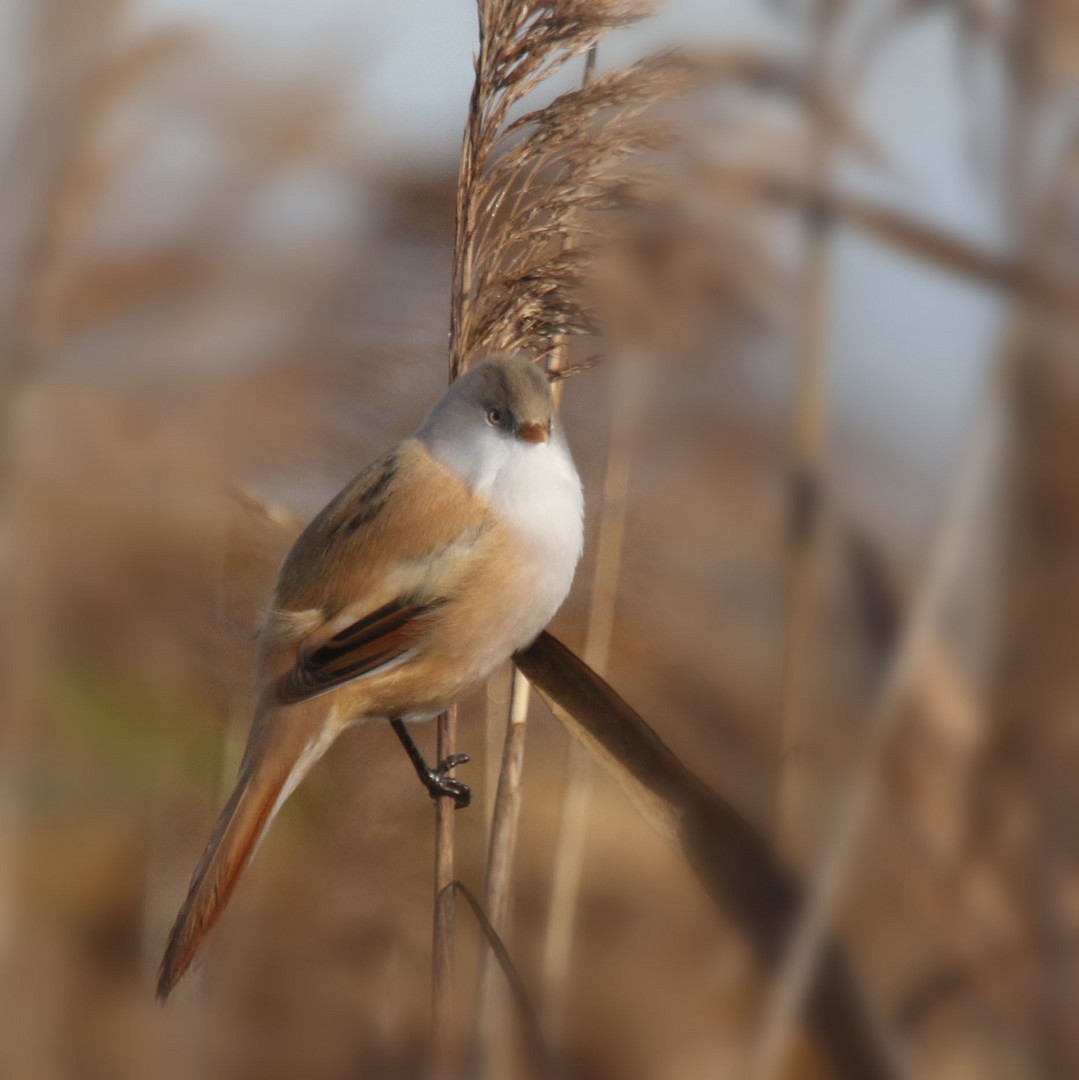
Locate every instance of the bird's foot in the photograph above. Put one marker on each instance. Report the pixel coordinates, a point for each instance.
(438, 784)
(436, 781)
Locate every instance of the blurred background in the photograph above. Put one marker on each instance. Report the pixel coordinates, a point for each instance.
(839, 493)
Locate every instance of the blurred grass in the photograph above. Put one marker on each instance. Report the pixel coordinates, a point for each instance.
(116, 723)
(177, 401)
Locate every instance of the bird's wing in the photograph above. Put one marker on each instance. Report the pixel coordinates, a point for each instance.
(360, 587)
(386, 636)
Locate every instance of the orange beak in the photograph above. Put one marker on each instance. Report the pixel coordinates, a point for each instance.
(533, 431)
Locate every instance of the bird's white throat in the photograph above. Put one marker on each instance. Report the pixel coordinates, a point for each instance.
(534, 489)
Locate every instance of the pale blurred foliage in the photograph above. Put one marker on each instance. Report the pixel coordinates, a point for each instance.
(212, 315)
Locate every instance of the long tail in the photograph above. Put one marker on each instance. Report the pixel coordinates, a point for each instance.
(261, 789)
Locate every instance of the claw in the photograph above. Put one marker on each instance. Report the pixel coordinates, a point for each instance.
(457, 790)
(452, 762)
(441, 784)
(436, 781)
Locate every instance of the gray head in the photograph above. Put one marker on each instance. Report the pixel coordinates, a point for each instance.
(510, 394)
(496, 407)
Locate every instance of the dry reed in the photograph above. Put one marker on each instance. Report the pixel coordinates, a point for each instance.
(523, 249)
(81, 72)
(804, 550)
(573, 831)
(507, 802)
(497, 887)
(526, 290)
(857, 803)
(519, 48)
(733, 861)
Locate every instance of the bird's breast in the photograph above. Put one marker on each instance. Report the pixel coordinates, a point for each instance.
(537, 500)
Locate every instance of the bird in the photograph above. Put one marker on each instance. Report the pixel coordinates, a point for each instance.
(418, 580)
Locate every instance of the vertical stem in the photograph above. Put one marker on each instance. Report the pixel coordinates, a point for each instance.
(499, 691)
(502, 845)
(442, 952)
(463, 245)
(21, 647)
(573, 833)
(806, 487)
(1032, 752)
(804, 529)
(503, 835)
(507, 805)
(806, 943)
(460, 297)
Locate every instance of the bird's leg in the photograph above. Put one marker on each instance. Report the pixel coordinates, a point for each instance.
(435, 780)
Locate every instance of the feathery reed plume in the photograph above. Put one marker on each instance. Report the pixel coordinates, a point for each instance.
(520, 46)
(529, 182)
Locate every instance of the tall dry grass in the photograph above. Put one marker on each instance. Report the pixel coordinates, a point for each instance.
(125, 666)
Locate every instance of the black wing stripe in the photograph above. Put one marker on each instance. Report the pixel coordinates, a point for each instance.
(361, 647)
(384, 621)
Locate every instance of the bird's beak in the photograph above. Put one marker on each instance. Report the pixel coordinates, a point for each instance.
(533, 431)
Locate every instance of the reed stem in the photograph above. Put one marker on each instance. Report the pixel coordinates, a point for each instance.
(503, 835)
(500, 859)
(858, 802)
(805, 507)
(573, 832)
(442, 952)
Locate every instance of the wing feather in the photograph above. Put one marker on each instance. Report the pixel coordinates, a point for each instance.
(372, 569)
(361, 648)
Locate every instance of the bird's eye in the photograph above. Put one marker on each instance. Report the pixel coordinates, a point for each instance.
(495, 417)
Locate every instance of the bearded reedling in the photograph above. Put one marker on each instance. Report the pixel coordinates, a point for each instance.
(427, 572)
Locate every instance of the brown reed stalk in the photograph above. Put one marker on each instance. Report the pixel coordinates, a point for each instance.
(733, 861)
(577, 799)
(442, 946)
(804, 549)
(1014, 276)
(511, 292)
(805, 532)
(857, 805)
(502, 845)
(56, 162)
(507, 808)
(1031, 761)
(499, 689)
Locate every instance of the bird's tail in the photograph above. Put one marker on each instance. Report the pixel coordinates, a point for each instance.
(263, 786)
